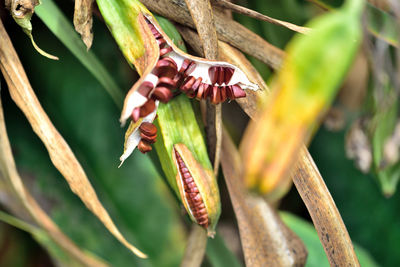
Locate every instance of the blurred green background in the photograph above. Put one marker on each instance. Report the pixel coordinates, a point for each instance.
(138, 200)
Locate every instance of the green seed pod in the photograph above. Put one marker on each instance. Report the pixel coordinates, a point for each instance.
(303, 89)
(182, 153)
(179, 138)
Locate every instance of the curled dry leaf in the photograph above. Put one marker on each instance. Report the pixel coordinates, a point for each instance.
(22, 11)
(228, 31)
(266, 240)
(83, 20)
(59, 151)
(202, 15)
(13, 187)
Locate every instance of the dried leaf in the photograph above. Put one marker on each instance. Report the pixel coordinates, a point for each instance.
(202, 15)
(266, 241)
(22, 11)
(83, 20)
(59, 151)
(311, 193)
(195, 248)
(324, 213)
(17, 192)
(228, 30)
(254, 14)
(253, 99)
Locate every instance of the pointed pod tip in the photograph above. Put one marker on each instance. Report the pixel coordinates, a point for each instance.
(122, 162)
(122, 122)
(211, 233)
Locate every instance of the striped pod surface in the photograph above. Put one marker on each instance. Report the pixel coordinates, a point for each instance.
(198, 189)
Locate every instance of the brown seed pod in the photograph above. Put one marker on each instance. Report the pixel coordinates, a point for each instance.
(215, 74)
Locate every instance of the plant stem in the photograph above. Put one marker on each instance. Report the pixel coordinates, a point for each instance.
(326, 218)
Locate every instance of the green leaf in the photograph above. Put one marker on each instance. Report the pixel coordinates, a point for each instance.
(316, 253)
(59, 25)
(172, 32)
(56, 252)
(383, 125)
(382, 25)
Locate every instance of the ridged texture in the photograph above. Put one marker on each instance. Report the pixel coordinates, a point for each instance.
(192, 194)
(148, 134)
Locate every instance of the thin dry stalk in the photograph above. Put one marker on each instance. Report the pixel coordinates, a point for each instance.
(326, 218)
(266, 240)
(254, 14)
(202, 15)
(228, 30)
(195, 248)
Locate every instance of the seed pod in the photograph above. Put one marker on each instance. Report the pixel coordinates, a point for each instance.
(184, 160)
(133, 135)
(188, 73)
(303, 89)
(170, 68)
(197, 188)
